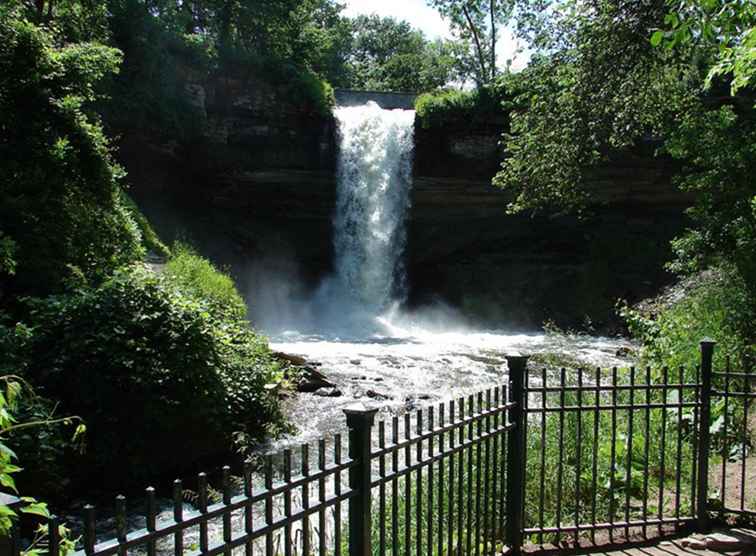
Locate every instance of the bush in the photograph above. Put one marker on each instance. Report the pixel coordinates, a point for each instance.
(61, 206)
(716, 304)
(446, 106)
(158, 376)
(196, 275)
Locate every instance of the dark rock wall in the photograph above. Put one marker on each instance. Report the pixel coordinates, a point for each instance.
(256, 192)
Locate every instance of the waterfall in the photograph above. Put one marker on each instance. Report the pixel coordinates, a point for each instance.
(372, 200)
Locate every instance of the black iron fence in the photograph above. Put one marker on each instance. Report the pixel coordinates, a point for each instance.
(731, 395)
(550, 457)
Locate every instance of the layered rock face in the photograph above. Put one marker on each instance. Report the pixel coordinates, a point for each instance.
(256, 192)
(524, 270)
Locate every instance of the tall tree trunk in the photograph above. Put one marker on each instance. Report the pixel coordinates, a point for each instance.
(493, 39)
(481, 57)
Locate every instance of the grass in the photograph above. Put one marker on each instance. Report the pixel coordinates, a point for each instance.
(191, 271)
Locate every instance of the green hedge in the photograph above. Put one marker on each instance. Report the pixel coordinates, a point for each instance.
(450, 106)
(161, 377)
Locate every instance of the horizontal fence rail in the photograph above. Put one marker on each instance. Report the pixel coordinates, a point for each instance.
(549, 457)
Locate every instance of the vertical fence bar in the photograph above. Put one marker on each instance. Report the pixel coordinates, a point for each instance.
(613, 455)
(646, 446)
(515, 449)
(360, 423)
(151, 512)
(495, 529)
(663, 448)
(725, 443)
(629, 454)
(419, 484)
(53, 538)
(578, 454)
(678, 464)
(89, 529)
(470, 469)
(461, 477)
(305, 451)
(450, 515)
(407, 489)
(560, 456)
(248, 509)
(120, 524)
(322, 548)
(394, 487)
(226, 485)
(287, 501)
(268, 506)
(337, 492)
(486, 476)
(707, 352)
(441, 483)
(431, 486)
(382, 490)
(178, 517)
(594, 460)
(542, 463)
(478, 468)
(744, 445)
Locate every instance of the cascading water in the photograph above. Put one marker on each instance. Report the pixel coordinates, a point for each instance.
(354, 326)
(373, 195)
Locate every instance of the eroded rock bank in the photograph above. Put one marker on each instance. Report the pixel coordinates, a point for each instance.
(255, 190)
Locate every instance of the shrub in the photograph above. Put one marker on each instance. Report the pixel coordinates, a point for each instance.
(716, 304)
(446, 106)
(61, 206)
(150, 239)
(158, 376)
(198, 276)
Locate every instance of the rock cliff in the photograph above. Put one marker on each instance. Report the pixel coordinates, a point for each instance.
(255, 191)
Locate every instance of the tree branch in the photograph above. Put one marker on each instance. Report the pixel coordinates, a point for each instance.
(481, 58)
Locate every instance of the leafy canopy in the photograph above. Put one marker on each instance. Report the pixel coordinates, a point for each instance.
(62, 212)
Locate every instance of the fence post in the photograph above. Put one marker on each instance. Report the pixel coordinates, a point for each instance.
(515, 449)
(707, 352)
(360, 423)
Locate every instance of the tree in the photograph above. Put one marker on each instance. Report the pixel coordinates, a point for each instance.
(596, 86)
(62, 213)
(477, 23)
(727, 26)
(603, 83)
(386, 54)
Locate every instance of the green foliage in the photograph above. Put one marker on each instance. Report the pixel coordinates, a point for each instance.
(15, 392)
(195, 274)
(601, 88)
(727, 28)
(160, 377)
(389, 55)
(150, 239)
(718, 148)
(449, 106)
(60, 201)
(476, 24)
(717, 306)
